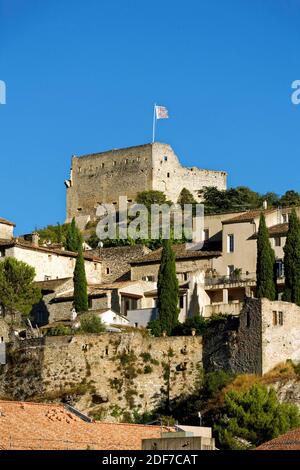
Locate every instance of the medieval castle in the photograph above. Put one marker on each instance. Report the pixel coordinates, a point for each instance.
(103, 177)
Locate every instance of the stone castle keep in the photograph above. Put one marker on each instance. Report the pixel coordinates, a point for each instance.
(103, 177)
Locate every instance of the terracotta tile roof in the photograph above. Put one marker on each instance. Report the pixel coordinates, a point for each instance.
(20, 242)
(275, 230)
(180, 251)
(288, 441)
(248, 216)
(33, 426)
(52, 284)
(6, 222)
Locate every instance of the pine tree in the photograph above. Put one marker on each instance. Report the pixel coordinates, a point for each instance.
(292, 261)
(167, 289)
(80, 285)
(265, 266)
(73, 237)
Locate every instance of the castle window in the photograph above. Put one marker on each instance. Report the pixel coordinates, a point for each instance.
(126, 161)
(102, 165)
(165, 158)
(248, 319)
(79, 169)
(95, 266)
(138, 159)
(79, 209)
(280, 318)
(168, 175)
(114, 163)
(275, 319)
(107, 270)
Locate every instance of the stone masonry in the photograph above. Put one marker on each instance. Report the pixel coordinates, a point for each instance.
(103, 177)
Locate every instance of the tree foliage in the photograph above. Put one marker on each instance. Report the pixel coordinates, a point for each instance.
(265, 265)
(55, 233)
(167, 289)
(250, 418)
(186, 197)
(80, 285)
(91, 323)
(17, 291)
(292, 261)
(151, 197)
(73, 237)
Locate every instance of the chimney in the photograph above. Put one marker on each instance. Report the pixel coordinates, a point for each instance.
(35, 239)
(265, 204)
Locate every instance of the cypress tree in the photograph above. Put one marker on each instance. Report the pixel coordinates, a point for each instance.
(80, 285)
(73, 237)
(265, 266)
(292, 261)
(167, 289)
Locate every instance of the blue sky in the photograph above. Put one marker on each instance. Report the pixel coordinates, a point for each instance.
(83, 76)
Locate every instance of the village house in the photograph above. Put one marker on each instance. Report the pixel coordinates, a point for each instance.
(49, 261)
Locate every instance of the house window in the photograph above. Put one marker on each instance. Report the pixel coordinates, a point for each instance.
(181, 302)
(90, 302)
(277, 241)
(279, 268)
(47, 278)
(49, 257)
(230, 243)
(205, 234)
(102, 165)
(95, 266)
(230, 269)
(275, 319)
(2, 253)
(79, 209)
(280, 318)
(285, 218)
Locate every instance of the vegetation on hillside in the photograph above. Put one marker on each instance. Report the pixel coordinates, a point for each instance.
(18, 293)
(292, 261)
(265, 264)
(80, 301)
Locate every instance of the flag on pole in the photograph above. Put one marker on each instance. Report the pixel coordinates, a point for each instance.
(161, 112)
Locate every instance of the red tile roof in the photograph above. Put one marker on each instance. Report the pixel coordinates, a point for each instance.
(181, 252)
(248, 216)
(288, 441)
(33, 426)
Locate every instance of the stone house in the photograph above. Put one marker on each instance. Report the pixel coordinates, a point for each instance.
(57, 301)
(6, 229)
(49, 263)
(265, 334)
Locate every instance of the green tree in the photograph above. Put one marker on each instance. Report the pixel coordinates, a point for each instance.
(186, 197)
(73, 237)
(91, 323)
(290, 198)
(250, 418)
(17, 290)
(265, 265)
(151, 197)
(80, 285)
(292, 261)
(167, 289)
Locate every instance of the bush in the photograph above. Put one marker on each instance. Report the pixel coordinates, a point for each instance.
(154, 326)
(59, 330)
(214, 382)
(196, 322)
(91, 323)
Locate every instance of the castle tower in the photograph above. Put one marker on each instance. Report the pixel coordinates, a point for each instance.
(103, 177)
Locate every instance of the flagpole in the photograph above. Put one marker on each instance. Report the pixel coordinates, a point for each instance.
(154, 122)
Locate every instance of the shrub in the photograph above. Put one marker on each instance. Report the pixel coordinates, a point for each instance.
(196, 322)
(59, 330)
(154, 326)
(214, 382)
(91, 323)
(148, 369)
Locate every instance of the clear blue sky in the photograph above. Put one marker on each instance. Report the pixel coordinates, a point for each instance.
(82, 76)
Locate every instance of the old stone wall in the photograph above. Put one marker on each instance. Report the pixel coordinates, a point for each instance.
(105, 375)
